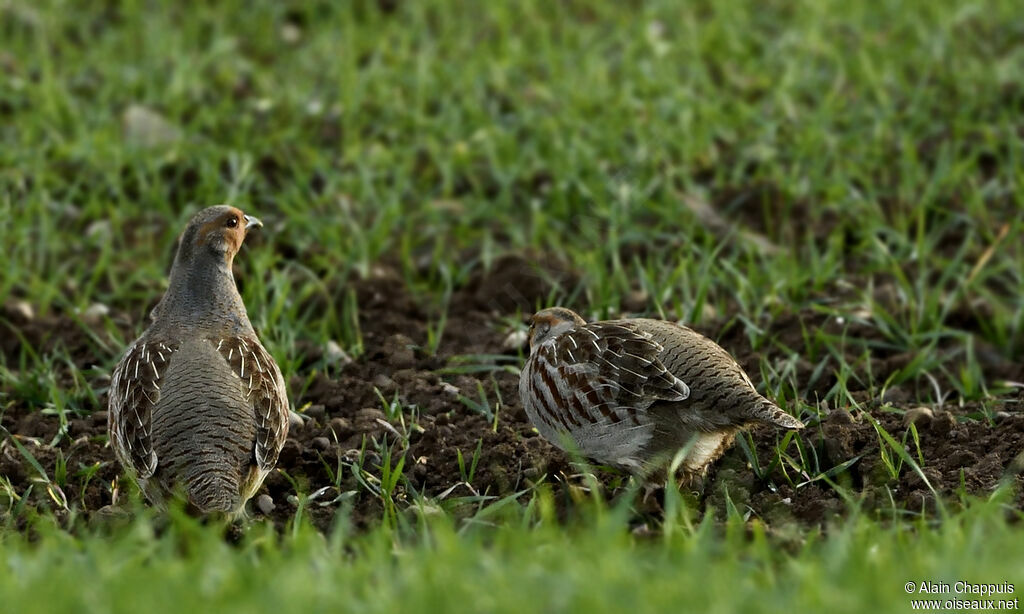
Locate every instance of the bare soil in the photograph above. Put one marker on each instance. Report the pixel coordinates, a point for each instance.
(967, 449)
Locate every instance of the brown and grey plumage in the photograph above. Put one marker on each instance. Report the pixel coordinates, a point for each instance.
(196, 404)
(631, 393)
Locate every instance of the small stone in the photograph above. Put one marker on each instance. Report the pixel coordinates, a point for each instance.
(95, 313)
(265, 504)
(636, 300)
(144, 127)
(21, 309)
(335, 355)
(450, 389)
(99, 230)
(314, 107)
(515, 340)
(98, 417)
(919, 415)
(1002, 415)
(291, 33)
(295, 420)
(320, 443)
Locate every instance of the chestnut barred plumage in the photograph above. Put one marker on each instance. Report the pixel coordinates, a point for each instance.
(631, 393)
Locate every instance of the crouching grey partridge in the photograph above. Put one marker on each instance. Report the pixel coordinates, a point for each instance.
(631, 393)
(196, 405)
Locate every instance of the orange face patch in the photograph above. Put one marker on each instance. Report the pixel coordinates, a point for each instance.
(221, 227)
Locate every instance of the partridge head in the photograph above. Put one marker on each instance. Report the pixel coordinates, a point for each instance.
(632, 393)
(197, 406)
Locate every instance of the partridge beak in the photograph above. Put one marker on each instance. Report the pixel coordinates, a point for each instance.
(252, 222)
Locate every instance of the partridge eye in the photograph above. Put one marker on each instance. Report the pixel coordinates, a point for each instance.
(232, 222)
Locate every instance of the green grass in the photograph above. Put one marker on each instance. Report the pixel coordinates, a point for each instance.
(595, 566)
(863, 163)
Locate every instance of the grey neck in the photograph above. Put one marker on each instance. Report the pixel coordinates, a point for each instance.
(202, 296)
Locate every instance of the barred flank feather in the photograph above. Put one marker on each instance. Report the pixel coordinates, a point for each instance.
(632, 392)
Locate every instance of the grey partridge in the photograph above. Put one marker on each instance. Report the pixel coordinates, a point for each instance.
(196, 405)
(631, 393)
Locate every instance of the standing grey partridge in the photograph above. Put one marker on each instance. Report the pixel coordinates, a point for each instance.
(196, 405)
(631, 393)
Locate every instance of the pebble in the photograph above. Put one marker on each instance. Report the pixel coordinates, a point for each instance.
(295, 420)
(515, 340)
(100, 229)
(95, 313)
(918, 415)
(22, 309)
(144, 127)
(334, 354)
(291, 33)
(636, 300)
(320, 443)
(265, 503)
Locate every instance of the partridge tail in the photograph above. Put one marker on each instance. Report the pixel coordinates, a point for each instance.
(769, 413)
(214, 492)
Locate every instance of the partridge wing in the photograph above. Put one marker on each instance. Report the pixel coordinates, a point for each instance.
(265, 391)
(134, 392)
(618, 364)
